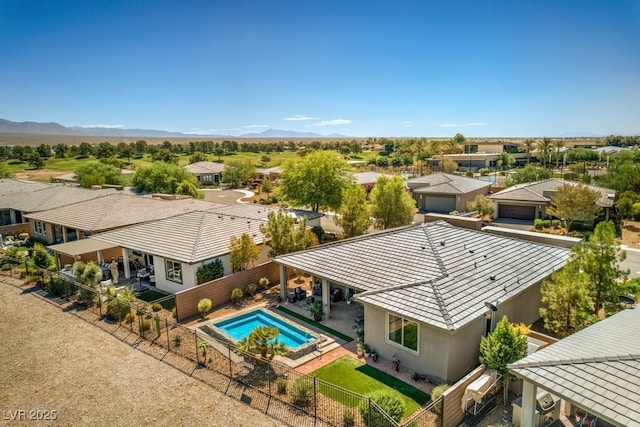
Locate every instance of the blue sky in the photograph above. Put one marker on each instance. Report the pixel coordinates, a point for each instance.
(392, 68)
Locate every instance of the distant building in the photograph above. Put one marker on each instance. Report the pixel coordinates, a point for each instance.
(207, 173)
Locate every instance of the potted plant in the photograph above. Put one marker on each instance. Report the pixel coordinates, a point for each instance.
(359, 334)
(359, 350)
(316, 310)
(374, 355)
(366, 350)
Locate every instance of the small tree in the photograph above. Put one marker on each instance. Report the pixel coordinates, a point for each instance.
(567, 304)
(392, 206)
(354, 214)
(237, 171)
(483, 205)
(390, 402)
(574, 203)
(501, 347)
(283, 235)
(98, 173)
(204, 305)
(243, 251)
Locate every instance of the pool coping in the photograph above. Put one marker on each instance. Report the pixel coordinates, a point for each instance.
(211, 330)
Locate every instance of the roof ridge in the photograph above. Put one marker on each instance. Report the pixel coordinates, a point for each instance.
(109, 209)
(578, 360)
(436, 255)
(203, 216)
(442, 306)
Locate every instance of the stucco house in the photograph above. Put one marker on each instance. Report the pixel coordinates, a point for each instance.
(368, 179)
(19, 198)
(530, 200)
(595, 371)
(443, 192)
(174, 248)
(424, 289)
(207, 173)
(261, 212)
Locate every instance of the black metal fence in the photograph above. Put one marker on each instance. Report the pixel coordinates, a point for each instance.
(266, 385)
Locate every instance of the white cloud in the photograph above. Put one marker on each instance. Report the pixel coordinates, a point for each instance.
(300, 117)
(103, 126)
(475, 124)
(255, 126)
(334, 122)
(408, 124)
(448, 125)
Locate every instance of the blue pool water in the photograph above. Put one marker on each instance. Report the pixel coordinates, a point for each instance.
(240, 326)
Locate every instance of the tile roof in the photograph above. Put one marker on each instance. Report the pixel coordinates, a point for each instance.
(434, 273)
(117, 210)
(445, 183)
(597, 368)
(11, 185)
(205, 167)
(192, 237)
(50, 197)
(534, 191)
(368, 177)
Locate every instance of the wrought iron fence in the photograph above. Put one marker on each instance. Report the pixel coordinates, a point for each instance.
(267, 385)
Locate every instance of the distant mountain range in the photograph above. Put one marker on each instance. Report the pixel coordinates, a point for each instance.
(52, 128)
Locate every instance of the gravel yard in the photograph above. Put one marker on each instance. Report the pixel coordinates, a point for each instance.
(54, 364)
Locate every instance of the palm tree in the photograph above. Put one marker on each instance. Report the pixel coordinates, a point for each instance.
(544, 148)
(559, 145)
(436, 148)
(417, 146)
(263, 340)
(527, 147)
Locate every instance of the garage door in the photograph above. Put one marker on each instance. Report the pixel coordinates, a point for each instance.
(517, 212)
(444, 204)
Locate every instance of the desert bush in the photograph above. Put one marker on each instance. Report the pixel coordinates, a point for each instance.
(348, 418)
(555, 223)
(546, 223)
(263, 283)
(6, 267)
(236, 295)
(156, 306)
(204, 305)
(389, 402)
(538, 224)
(88, 297)
(146, 325)
(118, 308)
(177, 341)
(251, 289)
(174, 313)
(23, 236)
(129, 318)
(56, 287)
(483, 171)
(302, 392)
(435, 395)
(281, 385)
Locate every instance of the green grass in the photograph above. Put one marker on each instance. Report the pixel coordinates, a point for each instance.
(361, 378)
(318, 325)
(150, 295)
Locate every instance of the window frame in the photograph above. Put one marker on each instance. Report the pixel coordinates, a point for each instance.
(169, 265)
(405, 322)
(40, 228)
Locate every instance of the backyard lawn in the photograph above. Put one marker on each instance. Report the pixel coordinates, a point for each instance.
(354, 375)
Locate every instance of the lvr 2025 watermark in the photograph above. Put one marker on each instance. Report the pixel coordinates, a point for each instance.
(29, 415)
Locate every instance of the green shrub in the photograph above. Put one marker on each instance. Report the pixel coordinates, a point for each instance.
(469, 173)
(281, 385)
(538, 223)
(390, 402)
(56, 287)
(236, 295)
(546, 223)
(7, 267)
(318, 231)
(23, 236)
(156, 306)
(302, 391)
(174, 313)
(348, 418)
(435, 395)
(118, 308)
(177, 341)
(88, 297)
(555, 223)
(210, 271)
(483, 171)
(146, 325)
(251, 289)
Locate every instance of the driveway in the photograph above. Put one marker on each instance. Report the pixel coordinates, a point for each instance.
(227, 197)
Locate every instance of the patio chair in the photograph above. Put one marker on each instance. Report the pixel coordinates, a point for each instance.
(143, 273)
(317, 289)
(292, 298)
(300, 293)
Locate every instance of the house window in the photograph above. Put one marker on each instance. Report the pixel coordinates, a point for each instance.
(403, 332)
(174, 270)
(40, 228)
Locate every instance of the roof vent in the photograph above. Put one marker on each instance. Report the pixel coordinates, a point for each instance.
(442, 243)
(492, 277)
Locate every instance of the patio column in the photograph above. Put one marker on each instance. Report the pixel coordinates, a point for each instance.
(125, 261)
(79, 235)
(529, 391)
(283, 283)
(326, 298)
(64, 234)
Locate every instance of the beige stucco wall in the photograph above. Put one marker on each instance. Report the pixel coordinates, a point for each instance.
(463, 199)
